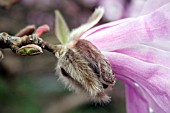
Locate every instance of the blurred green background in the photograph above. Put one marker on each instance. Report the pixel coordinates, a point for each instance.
(29, 84)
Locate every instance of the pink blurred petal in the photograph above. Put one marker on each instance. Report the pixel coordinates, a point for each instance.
(149, 30)
(114, 9)
(89, 3)
(153, 78)
(148, 54)
(152, 5)
(134, 8)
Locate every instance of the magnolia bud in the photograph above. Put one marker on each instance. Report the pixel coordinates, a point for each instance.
(80, 64)
(29, 50)
(84, 69)
(28, 30)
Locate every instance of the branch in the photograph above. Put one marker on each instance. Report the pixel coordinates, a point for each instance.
(27, 44)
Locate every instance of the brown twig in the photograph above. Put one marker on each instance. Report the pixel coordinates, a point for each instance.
(15, 42)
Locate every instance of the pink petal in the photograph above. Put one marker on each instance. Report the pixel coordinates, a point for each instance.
(148, 54)
(146, 40)
(135, 102)
(155, 107)
(153, 78)
(104, 27)
(143, 99)
(152, 5)
(150, 30)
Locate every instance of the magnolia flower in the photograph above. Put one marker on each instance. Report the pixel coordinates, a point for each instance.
(137, 49)
(139, 52)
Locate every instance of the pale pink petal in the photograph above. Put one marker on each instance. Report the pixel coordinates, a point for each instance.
(150, 30)
(103, 27)
(148, 54)
(153, 78)
(152, 5)
(162, 44)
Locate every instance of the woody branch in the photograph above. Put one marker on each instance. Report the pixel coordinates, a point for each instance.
(26, 40)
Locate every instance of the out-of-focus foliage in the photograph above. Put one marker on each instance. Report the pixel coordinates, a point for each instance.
(29, 84)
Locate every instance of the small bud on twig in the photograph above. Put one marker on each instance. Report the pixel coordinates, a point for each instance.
(29, 50)
(42, 30)
(28, 30)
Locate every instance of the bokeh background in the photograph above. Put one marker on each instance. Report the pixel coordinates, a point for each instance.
(29, 84)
